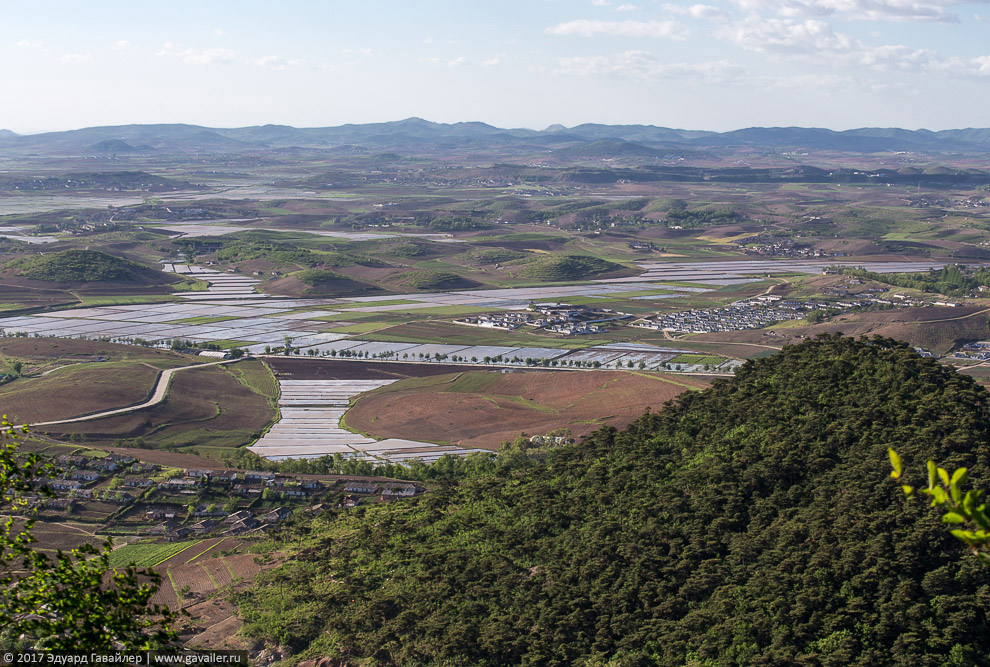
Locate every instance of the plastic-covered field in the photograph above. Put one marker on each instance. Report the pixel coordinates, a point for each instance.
(310, 425)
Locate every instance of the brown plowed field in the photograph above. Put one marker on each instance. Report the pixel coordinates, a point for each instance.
(187, 555)
(204, 575)
(50, 536)
(221, 635)
(205, 406)
(165, 596)
(163, 458)
(241, 566)
(217, 546)
(484, 409)
(77, 390)
(219, 574)
(195, 578)
(76, 349)
(288, 368)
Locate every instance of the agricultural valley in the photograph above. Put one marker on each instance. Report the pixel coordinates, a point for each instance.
(426, 394)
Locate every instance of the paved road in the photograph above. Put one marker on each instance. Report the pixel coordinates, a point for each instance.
(161, 389)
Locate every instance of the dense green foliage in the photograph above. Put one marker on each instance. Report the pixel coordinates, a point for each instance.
(429, 280)
(277, 252)
(707, 214)
(317, 277)
(405, 250)
(751, 523)
(555, 268)
(962, 507)
(497, 255)
(454, 223)
(949, 280)
(75, 265)
(283, 253)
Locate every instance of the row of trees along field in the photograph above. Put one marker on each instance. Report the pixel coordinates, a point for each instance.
(953, 280)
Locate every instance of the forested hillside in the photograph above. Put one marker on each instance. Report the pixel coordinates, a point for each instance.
(76, 265)
(753, 523)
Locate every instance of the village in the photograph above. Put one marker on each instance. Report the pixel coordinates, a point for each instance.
(134, 499)
(769, 309)
(560, 318)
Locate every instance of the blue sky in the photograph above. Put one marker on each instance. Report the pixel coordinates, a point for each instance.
(714, 66)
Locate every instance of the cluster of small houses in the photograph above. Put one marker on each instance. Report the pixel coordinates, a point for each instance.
(768, 309)
(562, 318)
(214, 520)
(753, 313)
(80, 472)
(978, 350)
(770, 246)
(928, 201)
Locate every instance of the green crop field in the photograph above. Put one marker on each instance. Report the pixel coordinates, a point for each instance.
(256, 376)
(362, 327)
(227, 344)
(369, 304)
(696, 359)
(104, 300)
(148, 554)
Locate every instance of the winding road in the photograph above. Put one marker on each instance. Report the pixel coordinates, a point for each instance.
(157, 396)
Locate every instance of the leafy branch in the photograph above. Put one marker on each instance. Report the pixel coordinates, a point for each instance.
(963, 508)
(75, 600)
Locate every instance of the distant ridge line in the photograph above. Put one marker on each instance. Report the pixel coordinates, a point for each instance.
(417, 133)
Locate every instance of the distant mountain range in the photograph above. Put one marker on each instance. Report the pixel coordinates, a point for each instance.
(588, 140)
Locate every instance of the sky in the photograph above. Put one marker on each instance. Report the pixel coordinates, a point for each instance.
(730, 64)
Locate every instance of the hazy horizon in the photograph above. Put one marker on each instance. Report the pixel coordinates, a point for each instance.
(536, 129)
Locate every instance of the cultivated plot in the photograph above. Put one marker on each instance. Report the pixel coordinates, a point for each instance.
(310, 426)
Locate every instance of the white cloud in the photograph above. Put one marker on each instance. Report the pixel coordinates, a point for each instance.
(356, 52)
(459, 61)
(702, 12)
(218, 31)
(586, 28)
(280, 63)
(25, 44)
(868, 10)
(982, 64)
(601, 3)
(75, 58)
(627, 8)
(194, 56)
(785, 35)
(491, 62)
(122, 44)
(815, 40)
(645, 66)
